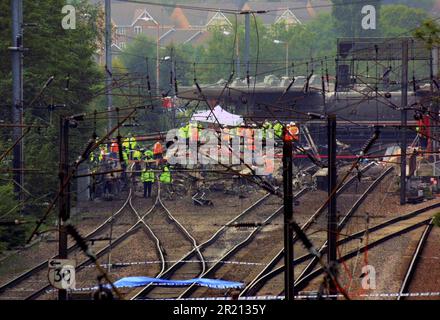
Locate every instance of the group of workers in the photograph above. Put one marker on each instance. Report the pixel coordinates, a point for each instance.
(131, 150)
(147, 161)
(109, 175)
(148, 178)
(246, 132)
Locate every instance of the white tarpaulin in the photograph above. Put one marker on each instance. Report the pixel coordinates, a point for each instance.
(223, 116)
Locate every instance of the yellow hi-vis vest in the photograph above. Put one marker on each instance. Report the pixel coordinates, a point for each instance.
(147, 175)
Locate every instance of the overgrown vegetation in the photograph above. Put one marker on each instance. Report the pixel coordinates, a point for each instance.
(52, 51)
(436, 220)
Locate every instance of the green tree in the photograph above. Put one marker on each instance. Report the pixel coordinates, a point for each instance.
(51, 51)
(348, 17)
(437, 219)
(10, 235)
(429, 32)
(422, 4)
(398, 20)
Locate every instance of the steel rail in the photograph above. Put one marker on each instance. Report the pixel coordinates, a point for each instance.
(152, 234)
(103, 250)
(238, 246)
(187, 235)
(344, 221)
(171, 270)
(306, 280)
(410, 272)
(265, 273)
(370, 230)
(12, 283)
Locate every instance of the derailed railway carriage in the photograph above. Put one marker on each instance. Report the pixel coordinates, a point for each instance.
(358, 111)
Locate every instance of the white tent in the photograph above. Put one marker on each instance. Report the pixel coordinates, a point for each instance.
(223, 117)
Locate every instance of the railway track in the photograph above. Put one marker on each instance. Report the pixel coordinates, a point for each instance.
(271, 270)
(412, 267)
(223, 243)
(15, 286)
(378, 235)
(133, 228)
(344, 222)
(244, 247)
(320, 238)
(121, 231)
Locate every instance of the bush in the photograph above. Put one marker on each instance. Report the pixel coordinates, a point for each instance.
(437, 219)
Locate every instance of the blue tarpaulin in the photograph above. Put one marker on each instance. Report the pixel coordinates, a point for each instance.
(143, 281)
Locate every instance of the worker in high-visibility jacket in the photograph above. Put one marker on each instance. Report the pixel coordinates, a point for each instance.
(184, 133)
(147, 178)
(249, 139)
(165, 176)
(292, 132)
(125, 155)
(114, 150)
(278, 130)
(148, 154)
(137, 155)
(133, 143)
(194, 131)
(267, 131)
(269, 167)
(157, 152)
(130, 143)
(92, 156)
(126, 142)
(102, 153)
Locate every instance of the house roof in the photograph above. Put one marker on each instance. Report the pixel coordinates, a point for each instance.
(303, 10)
(197, 18)
(181, 36)
(152, 32)
(126, 13)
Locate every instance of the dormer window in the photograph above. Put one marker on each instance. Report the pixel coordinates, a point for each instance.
(137, 29)
(120, 31)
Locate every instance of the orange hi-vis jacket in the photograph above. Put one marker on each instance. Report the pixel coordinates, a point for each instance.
(248, 133)
(292, 133)
(194, 133)
(250, 144)
(157, 148)
(114, 147)
(269, 165)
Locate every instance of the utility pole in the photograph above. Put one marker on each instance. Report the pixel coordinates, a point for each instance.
(332, 223)
(158, 59)
(108, 62)
(237, 53)
(433, 131)
(247, 39)
(173, 84)
(403, 115)
(288, 215)
(17, 90)
(64, 200)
